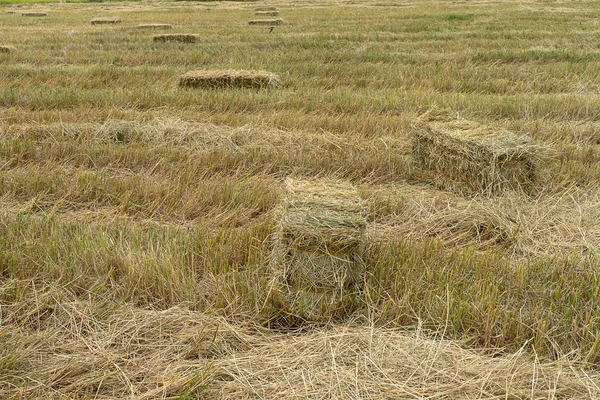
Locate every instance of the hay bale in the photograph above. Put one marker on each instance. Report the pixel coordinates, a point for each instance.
(269, 22)
(11, 12)
(228, 78)
(177, 37)
(318, 247)
(155, 26)
(33, 14)
(265, 9)
(6, 48)
(106, 21)
(472, 158)
(267, 13)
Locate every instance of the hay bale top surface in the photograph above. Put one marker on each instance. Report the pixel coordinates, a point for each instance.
(322, 215)
(226, 78)
(106, 20)
(6, 48)
(267, 13)
(277, 21)
(466, 133)
(34, 14)
(154, 26)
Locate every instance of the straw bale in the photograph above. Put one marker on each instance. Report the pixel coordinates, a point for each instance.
(473, 158)
(267, 13)
(34, 14)
(6, 49)
(228, 78)
(318, 246)
(106, 20)
(265, 9)
(11, 12)
(177, 37)
(155, 26)
(269, 22)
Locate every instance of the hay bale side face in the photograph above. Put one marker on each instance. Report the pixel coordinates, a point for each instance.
(268, 22)
(318, 248)
(267, 13)
(34, 14)
(228, 78)
(471, 158)
(155, 26)
(176, 37)
(265, 9)
(106, 21)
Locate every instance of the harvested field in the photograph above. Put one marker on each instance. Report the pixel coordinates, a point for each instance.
(478, 158)
(177, 37)
(106, 21)
(269, 22)
(228, 78)
(155, 26)
(34, 14)
(267, 13)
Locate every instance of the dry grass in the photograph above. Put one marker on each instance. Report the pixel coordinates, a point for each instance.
(155, 26)
(267, 13)
(478, 158)
(6, 48)
(229, 78)
(177, 37)
(34, 14)
(269, 22)
(106, 21)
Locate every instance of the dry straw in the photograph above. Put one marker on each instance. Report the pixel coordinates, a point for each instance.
(472, 158)
(265, 9)
(318, 246)
(228, 78)
(176, 37)
(6, 49)
(155, 26)
(34, 14)
(269, 22)
(106, 21)
(267, 13)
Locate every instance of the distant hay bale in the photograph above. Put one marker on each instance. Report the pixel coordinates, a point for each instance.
(106, 21)
(265, 9)
(267, 13)
(33, 14)
(11, 12)
(228, 78)
(269, 22)
(177, 37)
(318, 246)
(155, 26)
(6, 48)
(473, 158)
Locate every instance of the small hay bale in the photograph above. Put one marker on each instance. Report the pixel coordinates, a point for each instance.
(318, 247)
(228, 78)
(6, 48)
(472, 158)
(177, 37)
(269, 22)
(267, 13)
(106, 21)
(11, 12)
(155, 26)
(265, 9)
(33, 14)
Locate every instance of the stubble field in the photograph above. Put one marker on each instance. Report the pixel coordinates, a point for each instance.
(136, 216)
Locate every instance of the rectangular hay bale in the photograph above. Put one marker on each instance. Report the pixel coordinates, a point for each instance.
(106, 21)
(267, 13)
(177, 37)
(155, 26)
(33, 14)
(6, 48)
(228, 78)
(474, 158)
(265, 9)
(268, 22)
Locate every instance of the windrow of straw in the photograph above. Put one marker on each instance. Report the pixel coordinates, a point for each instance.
(106, 21)
(269, 22)
(318, 246)
(472, 158)
(177, 37)
(267, 13)
(155, 26)
(34, 14)
(6, 48)
(228, 78)
(265, 9)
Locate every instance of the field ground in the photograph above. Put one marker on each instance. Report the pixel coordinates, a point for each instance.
(135, 217)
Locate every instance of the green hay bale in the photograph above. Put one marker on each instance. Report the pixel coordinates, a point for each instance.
(106, 21)
(267, 13)
(155, 26)
(228, 78)
(33, 14)
(472, 158)
(268, 22)
(176, 37)
(318, 247)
